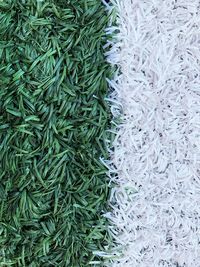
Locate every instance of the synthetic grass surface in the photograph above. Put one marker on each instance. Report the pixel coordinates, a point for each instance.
(53, 117)
(156, 153)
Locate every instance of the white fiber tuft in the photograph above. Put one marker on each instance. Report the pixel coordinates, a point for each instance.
(156, 154)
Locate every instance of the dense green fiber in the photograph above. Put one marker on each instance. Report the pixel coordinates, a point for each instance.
(53, 116)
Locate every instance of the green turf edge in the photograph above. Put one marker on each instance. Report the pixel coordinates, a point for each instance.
(53, 121)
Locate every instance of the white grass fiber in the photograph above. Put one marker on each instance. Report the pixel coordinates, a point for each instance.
(156, 154)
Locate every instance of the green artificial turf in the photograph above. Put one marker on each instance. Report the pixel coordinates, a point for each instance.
(53, 121)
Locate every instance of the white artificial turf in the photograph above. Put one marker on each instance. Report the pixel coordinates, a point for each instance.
(156, 154)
